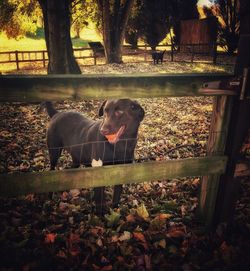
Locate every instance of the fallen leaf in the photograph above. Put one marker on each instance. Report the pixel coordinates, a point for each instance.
(139, 236)
(50, 238)
(176, 234)
(74, 193)
(61, 254)
(112, 218)
(130, 218)
(125, 236)
(142, 211)
(107, 268)
(164, 216)
(99, 242)
(162, 243)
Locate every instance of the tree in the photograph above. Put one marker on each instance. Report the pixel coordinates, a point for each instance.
(181, 10)
(18, 17)
(135, 24)
(149, 21)
(56, 15)
(154, 25)
(228, 13)
(114, 17)
(152, 20)
(81, 13)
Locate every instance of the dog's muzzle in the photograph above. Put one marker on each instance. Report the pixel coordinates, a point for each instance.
(114, 138)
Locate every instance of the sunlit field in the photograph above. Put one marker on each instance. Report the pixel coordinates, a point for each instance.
(37, 41)
(20, 44)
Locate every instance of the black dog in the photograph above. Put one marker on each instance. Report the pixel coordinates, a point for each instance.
(112, 139)
(158, 56)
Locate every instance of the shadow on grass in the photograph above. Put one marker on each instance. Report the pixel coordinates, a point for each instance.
(39, 34)
(78, 42)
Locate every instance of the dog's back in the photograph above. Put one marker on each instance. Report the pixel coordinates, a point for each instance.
(70, 131)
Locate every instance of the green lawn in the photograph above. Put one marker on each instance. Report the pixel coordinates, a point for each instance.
(36, 41)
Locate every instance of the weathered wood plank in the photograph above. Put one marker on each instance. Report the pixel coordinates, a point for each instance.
(60, 87)
(242, 169)
(23, 183)
(222, 108)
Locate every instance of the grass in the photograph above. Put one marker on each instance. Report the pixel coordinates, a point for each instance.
(36, 41)
(23, 44)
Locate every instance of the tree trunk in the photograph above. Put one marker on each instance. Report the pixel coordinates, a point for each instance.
(56, 17)
(132, 39)
(113, 24)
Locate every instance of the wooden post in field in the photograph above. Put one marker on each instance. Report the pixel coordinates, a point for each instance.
(95, 58)
(172, 53)
(192, 53)
(145, 53)
(17, 61)
(214, 53)
(43, 54)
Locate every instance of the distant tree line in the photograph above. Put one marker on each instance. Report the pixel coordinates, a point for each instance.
(132, 20)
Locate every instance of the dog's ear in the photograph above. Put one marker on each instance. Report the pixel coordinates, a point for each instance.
(101, 108)
(136, 107)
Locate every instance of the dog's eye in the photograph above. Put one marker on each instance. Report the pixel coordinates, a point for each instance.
(118, 113)
(133, 107)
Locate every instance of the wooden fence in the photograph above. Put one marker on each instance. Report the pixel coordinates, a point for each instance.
(74, 87)
(142, 53)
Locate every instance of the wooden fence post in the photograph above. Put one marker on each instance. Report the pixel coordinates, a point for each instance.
(192, 53)
(214, 53)
(222, 107)
(95, 58)
(145, 53)
(43, 54)
(172, 53)
(17, 61)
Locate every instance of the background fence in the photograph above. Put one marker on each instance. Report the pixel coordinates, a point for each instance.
(86, 56)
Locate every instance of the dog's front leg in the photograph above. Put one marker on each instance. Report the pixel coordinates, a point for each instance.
(117, 195)
(99, 198)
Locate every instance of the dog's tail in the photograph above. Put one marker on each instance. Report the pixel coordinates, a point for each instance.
(49, 107)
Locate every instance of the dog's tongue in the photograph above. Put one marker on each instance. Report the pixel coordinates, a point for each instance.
(113, 138)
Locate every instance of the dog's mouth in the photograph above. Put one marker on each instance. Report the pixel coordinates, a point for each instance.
(114, 138)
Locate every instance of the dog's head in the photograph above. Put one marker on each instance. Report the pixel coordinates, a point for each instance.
(121, 119)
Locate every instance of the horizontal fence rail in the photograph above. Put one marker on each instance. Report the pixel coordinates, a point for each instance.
(51, 181)
(35, 88)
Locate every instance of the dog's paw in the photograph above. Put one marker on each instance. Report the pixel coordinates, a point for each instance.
(97, 163)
